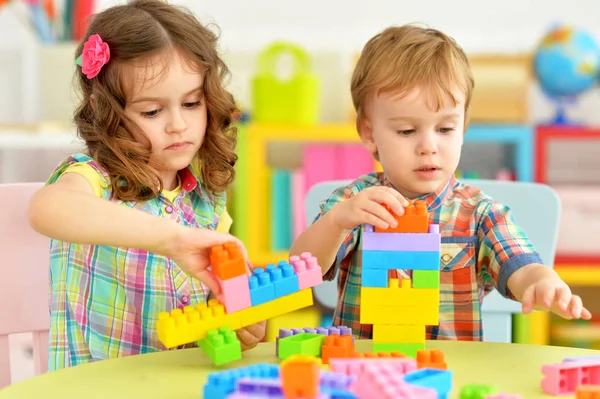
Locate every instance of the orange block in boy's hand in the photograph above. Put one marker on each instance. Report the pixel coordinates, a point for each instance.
(414, 220)
(227, 261)
(337, 346)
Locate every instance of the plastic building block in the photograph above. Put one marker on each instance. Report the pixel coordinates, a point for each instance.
(308, 270)
(284, 279)
(414, 220)
(404, 297)
(388, 334)
(426, 314)
(431, 359)
(419, 242)
(262, 289)
(386, 381)
(440, 380)
(426, 279)
(262, 387)
(221, 346)
(277, 307)
(331, 380)
(374, 278)
(377, 355)
(220, 384)
(285, 332)
(301, 344)
(300, 376)
(580, 358)
(193, 323)
(477, 391)
(336, 346)
(355, 367)
(563, 378)
(587, 392)
(503, 396)
(227, 261)
(391, 260)
(408, 349)
(235, 293)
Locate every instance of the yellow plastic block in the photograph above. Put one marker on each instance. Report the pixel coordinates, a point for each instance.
(394, 295)
(398, 334)
(193, 323)
(400, 315)
(277, 307)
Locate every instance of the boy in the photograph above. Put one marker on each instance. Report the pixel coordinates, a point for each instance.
(411, 89)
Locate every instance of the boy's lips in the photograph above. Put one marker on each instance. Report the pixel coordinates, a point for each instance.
(427, 168)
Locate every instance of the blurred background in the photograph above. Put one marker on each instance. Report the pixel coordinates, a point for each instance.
(534, 114)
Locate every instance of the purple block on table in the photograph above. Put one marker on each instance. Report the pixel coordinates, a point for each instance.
(323, 331)
(418, 242)
(310, 330)
(333, 330)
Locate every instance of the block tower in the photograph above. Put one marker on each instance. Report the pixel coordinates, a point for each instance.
(401, 309)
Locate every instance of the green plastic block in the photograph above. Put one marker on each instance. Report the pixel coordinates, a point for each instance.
(407, 349)
(221, 346)
(477, 391)
(301, 344)
(426, 279)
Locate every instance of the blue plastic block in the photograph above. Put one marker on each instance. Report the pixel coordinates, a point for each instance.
(222, 383)
(440, 380)
(374, 278)
(408, 260)
(261, 287)
(284, 278)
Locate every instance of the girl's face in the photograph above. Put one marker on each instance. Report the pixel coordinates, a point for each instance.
(167, 103)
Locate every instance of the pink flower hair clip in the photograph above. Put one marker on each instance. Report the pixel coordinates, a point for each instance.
(94, 56)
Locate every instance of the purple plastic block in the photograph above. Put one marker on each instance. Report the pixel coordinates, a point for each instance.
(297, 331)
(331, 379)
(310, 330)
(345, 330)
(368, 228)
(434, 229)
(323, 331)
(333, 330)
(413, 242)
(259, 386)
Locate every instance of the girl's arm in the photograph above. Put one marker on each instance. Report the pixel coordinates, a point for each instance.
(68, 210)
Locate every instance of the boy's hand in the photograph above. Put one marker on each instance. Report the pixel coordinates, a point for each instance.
(250, 336)
(367, 207)
(191, 251)
(551, 293)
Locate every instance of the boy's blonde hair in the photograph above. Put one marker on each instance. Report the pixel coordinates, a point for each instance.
(401, 58)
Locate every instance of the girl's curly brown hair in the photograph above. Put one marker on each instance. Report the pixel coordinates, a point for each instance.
(140, 29)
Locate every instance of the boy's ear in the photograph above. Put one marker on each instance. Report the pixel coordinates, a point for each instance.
(365, 131)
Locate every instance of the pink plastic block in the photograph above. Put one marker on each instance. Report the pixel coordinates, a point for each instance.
(563, 378)
(503, 396)
(308, 270)
(235, 293)
(422, 242)
(298, 210)
(356, 366)
(385, 381)
(353, 160)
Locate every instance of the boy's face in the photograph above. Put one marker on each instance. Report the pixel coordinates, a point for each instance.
(418, 148)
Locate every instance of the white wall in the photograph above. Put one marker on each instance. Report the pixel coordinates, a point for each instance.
(335, 29)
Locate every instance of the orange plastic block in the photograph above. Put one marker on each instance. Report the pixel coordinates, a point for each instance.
(227, 261)
(414, 220)
(587, 392)
(372, 355)
(431, 359)
(300, 376)
(337, 346)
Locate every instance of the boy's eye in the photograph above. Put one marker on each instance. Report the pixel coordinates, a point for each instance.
(191, 105)
(150, 114)
(406, 132)
(446, 129)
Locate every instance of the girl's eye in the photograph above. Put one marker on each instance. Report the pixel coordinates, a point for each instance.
(150, 114)
(406, 132)
(191, 105)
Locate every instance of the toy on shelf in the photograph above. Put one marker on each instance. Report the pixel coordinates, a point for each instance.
(244, 300)
(400, 311)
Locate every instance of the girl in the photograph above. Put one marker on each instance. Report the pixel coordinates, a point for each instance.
(132, 219)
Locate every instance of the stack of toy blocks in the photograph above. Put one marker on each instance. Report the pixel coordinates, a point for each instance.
(400, 311)
(245, 299)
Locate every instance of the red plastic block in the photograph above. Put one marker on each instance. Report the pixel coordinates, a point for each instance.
(587, 392)
(235, 293)
(300, 377)
(431, 359)
(564, 378)
(308, 270)
(337, 346)
(414, 220)
(227, 261)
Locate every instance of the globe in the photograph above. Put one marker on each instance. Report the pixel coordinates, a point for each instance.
(566, 64)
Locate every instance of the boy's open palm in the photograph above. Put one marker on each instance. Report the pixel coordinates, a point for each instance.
(367, 207)
(191, 252)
